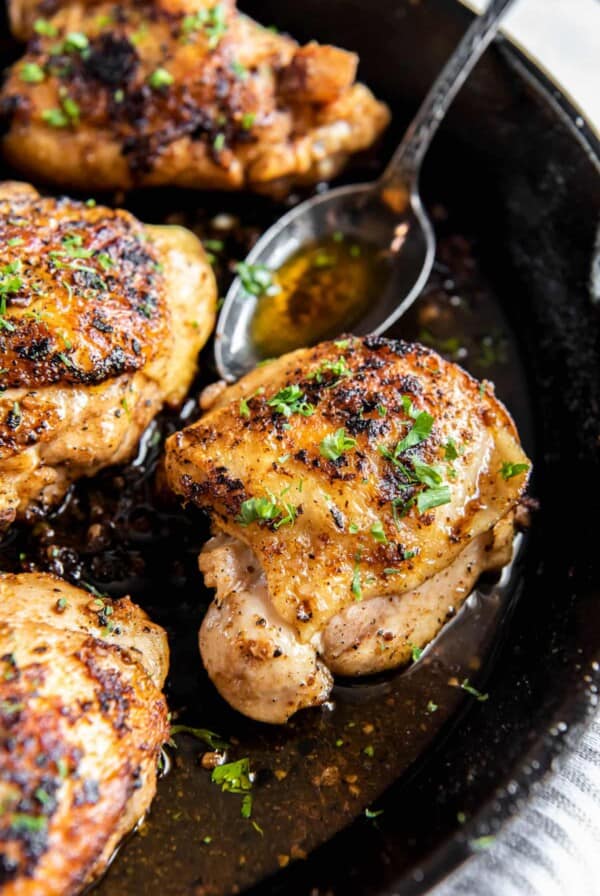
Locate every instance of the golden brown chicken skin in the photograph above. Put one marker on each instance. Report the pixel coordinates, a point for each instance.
(82, 722)
(101, 320)
(184, 92)
(357, 490)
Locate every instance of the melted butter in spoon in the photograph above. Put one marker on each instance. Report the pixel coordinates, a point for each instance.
(322, 290)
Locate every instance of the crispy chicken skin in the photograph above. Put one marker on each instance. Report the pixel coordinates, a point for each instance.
(357, 491)
(101, 322)
(183, 92)
(82, 722)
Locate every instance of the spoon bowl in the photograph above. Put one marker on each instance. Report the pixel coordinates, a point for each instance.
(387, 214)
(357, 212)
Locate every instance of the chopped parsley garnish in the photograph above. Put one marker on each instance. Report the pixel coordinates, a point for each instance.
(75, 42)
(214, 245)
(246, 810)
(338, 368)
(372, 813)
(468, 687)
(419, 431)
(378, 533)
(42, 797)
(211, 21)
(291, 400)
(15, 241)
(451, 450)
(32, 73)
(323, 259)
(481, 843)
(356, 587)
(336, 444)
(73, 243)
(160, 78)
(508, 469)
(63, 117)
(233, 777)
(431, 706)
(248, 119)
(369, 751)
(413, 470)
(257, 279)
(212, 740)
(10, 284)
(244, 406)
(29, 823)
(416, 652)
(45, 28)
(239, 70)
(433, 497)
(270, 509)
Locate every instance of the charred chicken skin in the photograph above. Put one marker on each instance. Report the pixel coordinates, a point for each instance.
(101, 320)
(184, 92)
(82, 722)
(357, 491)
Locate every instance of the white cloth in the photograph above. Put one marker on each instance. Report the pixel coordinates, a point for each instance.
(552, 848)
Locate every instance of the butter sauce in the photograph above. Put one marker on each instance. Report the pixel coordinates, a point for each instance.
(322, 290)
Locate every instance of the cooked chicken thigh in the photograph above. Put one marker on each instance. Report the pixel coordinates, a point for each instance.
(82, 721)
(184, 92)
(357, 491)
(101, 321)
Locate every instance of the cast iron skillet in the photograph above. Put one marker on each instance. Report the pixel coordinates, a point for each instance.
(513, 182)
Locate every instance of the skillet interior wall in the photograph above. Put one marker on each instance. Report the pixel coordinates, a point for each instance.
(530, 191)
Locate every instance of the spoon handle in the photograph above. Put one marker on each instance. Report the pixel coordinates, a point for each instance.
(403, 169)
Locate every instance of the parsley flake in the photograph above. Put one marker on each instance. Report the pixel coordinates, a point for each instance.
(356, 587)
(270, 509)
(233, 777)
(508, 469)
(32, 73)
(45, 28)
(257, 279)
(291, 400)
(160, 78)
(336, 444)
(468, 687)
(338, 368)
(378, 533)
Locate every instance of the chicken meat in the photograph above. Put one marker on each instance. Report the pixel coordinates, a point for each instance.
(357, 491)
(82, 723)
(184, 92)
(101, 321)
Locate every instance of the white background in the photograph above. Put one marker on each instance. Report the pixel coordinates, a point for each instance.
(564, 36)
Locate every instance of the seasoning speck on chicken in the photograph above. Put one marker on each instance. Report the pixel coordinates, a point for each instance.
(348, 529)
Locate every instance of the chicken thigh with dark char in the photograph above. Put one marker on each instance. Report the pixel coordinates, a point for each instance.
(82, 723)
(357, 491)
(184, 92)
(101, 321)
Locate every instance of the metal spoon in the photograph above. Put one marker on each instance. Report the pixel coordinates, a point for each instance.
(387, 213)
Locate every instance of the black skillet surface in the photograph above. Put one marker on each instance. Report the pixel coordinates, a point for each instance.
(516, 197)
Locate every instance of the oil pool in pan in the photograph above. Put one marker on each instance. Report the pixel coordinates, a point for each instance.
(122, 533)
